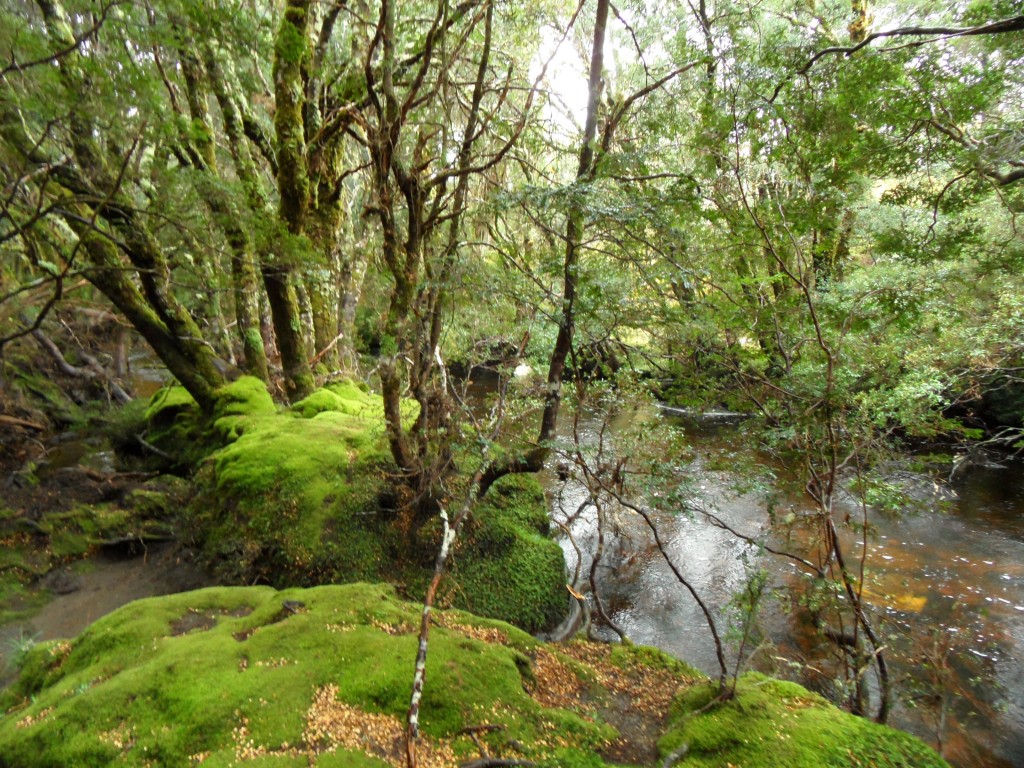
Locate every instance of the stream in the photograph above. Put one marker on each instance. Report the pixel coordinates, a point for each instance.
(947, 576)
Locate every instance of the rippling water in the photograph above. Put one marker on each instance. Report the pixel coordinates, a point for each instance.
(948, 577)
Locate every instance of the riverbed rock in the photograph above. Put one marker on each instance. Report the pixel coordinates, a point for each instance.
(226, 676)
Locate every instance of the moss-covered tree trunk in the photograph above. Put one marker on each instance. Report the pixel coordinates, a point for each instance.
(190, 360)
(109, 224)
(323, 283)
(291, 62)
(244, 278)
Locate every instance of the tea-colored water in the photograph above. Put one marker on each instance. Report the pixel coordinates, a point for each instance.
(945, 577)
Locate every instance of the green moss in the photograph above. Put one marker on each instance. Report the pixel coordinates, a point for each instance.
(139, 686)
(349, 398)
(238, 403)
(627, 655)
(343, 398)
(177, 429)
(168, 402)
(247, 396)
(290, 45)
(21, 374)
(159, 499)
(776, 724)
(506, 565)
(220, 671)
(296, 500)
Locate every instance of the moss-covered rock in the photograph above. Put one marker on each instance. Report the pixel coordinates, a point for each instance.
(222, 676)
(34, 393)
(777, 724)
(507, 565)
(301, 497)
(322, 677)
(185, 435)
(295, 500)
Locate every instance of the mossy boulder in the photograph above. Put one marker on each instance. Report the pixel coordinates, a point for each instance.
(313, 677)
(296, 501)
(303, 496)
(322, 677)
(776, 724)
(184, 435)
(507, 565)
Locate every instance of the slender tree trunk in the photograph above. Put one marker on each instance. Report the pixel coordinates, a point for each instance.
(287, 316)
(323, 283)
(353, 269)
(244, 278)
(573, 238)
(291, 60)
(533, 460)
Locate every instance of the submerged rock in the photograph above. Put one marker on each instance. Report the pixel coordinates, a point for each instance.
(322, 676)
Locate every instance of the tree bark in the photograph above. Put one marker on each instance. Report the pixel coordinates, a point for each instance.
(533, 460)
(291, 62)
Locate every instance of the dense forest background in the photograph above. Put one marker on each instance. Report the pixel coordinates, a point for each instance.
(807, 211)
(812, 208)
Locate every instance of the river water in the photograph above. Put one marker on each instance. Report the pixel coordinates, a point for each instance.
(946, 579)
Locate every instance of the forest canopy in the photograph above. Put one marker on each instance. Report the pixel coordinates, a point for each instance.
(772, 190)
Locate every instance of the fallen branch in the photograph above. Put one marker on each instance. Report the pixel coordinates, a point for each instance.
(16, 422)
(93, 371)
(108, 477)
(153, 449)
(488, 728)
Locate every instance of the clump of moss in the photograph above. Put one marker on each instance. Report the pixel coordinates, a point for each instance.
(176, 429)
(507, 566)
(238, 402)
(184, 435)
(322, 677)
(295, 501)
(777, 724)
(297, 498)
(32, 391)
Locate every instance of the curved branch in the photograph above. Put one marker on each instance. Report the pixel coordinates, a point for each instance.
(1012, 24)
(69, 48)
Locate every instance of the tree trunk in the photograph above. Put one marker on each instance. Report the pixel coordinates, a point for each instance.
(573, 237)
(533, 460)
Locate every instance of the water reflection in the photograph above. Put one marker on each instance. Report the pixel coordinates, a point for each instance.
(947, 576)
